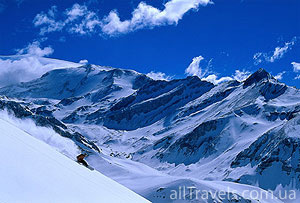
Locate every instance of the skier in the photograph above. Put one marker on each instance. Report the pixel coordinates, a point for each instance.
(80, 159)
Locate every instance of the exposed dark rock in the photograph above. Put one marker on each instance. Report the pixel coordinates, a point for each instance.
(257, 77)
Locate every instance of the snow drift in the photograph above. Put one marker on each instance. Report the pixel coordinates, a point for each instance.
(63, 145)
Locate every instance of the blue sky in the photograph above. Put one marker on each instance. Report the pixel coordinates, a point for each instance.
(212, 39)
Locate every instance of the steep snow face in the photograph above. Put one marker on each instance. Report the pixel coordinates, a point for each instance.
(32, 171)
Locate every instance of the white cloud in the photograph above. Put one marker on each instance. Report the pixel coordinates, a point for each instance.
(85, 20)
(195, 69)
(146, 16)
(278, 53)
(35, 49)
(238, 75)
(23, 68)
(214, 79)
(112, 24)
(76, 11)
(241, 75)
(259, 58)
(296, 66)
(84, 61)
(158, 76)
(47, 21)
(79, 19)
(297, 77)
(279, 75)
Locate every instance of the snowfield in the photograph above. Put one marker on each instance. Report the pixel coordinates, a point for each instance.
(32, 171)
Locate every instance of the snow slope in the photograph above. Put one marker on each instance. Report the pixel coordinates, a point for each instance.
(32, 171)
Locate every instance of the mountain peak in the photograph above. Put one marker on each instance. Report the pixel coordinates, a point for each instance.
(256, 77)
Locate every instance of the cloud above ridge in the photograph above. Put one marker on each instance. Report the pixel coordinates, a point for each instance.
(158, 76)
(296, 66)
(278, 53)
(35, 49)
(195, 69)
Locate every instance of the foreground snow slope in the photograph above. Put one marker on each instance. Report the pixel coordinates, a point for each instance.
(32, 171)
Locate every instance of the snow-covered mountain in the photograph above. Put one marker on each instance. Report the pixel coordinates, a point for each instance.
(152, 135)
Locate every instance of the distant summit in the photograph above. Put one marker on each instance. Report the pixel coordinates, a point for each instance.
(257, 77)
